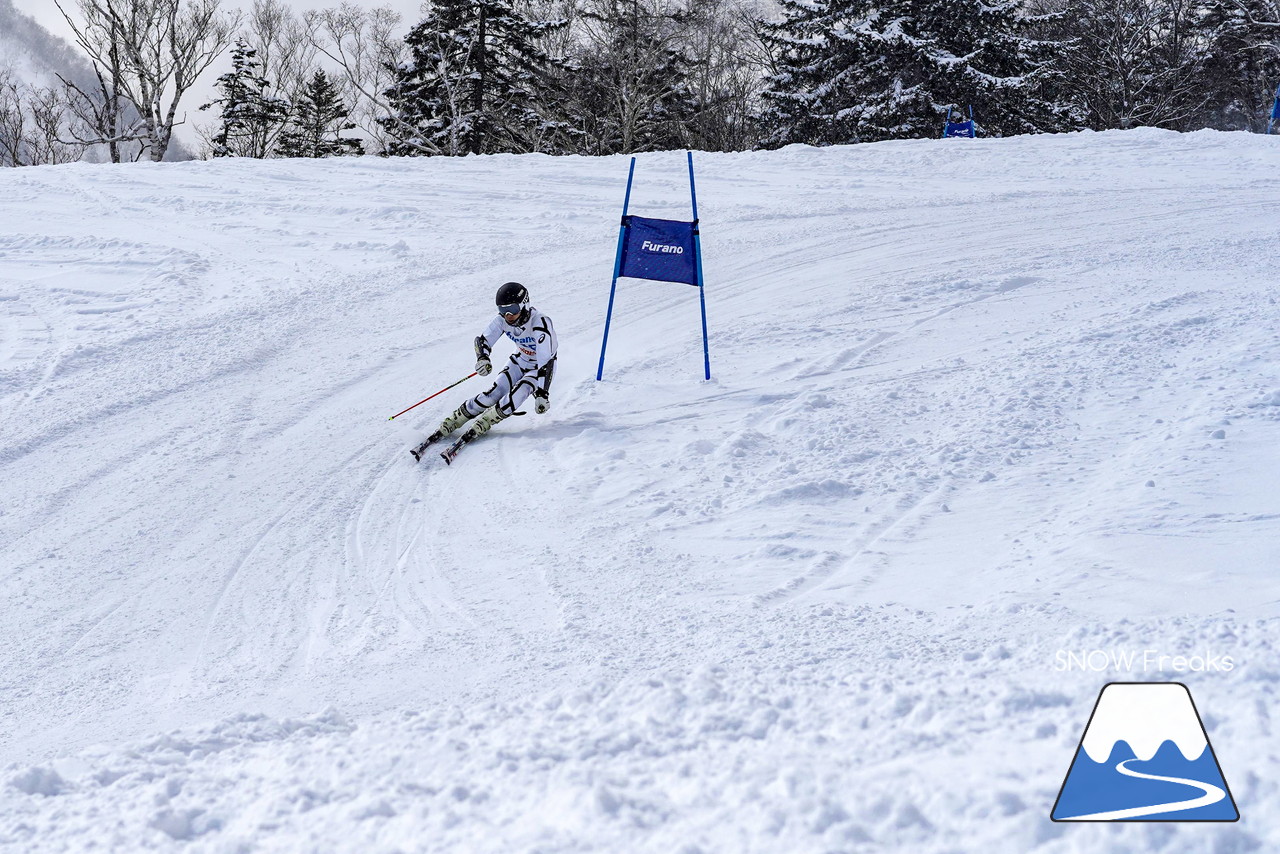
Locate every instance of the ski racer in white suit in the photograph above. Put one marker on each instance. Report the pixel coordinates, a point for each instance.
(529, 371)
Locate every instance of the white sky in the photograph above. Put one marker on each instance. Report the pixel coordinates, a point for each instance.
(48, 16)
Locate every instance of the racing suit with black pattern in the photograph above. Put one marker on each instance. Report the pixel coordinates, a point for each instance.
(530, 368)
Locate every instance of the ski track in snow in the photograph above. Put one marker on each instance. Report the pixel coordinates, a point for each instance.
(972, 404)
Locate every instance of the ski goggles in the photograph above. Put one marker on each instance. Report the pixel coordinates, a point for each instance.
(514, 308)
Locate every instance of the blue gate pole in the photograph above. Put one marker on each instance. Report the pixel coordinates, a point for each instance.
(697, 255)
(1275, 108)
(617, 268)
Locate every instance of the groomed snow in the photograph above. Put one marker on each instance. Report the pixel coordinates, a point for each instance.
(976, 404)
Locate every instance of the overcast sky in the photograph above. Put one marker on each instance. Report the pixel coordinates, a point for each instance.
(47, 14)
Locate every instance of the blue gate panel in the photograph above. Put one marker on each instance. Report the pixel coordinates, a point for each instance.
(659, 249)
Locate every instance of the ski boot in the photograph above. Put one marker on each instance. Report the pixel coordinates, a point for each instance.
(483, 423)
(459, 417)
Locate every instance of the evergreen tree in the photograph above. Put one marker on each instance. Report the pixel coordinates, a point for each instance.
(476, 81)
(866, 70)
(252, 119)
(319, 119)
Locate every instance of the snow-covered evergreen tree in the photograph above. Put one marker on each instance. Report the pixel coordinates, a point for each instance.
(865, 70)
(475, 82)
(252, 118)
(319, 119)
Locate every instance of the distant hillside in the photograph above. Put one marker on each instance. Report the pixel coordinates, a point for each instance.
(36, 54)
(37, 57)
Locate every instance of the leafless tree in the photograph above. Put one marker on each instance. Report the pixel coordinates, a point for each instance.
(632, 91)
(365, 46)
(13, 121)
(284, 59)
(54, 127)
(1263, 15)
(1136, 62)
(105, 117)
(153, 51)
(283, 42)
(103, 109)
(726, 73)
(35, 123)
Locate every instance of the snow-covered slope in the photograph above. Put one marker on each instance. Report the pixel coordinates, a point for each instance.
(975, 405)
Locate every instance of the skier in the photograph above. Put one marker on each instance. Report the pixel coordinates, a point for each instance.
(528, 372)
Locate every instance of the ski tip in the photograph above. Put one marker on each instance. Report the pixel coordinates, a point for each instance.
(415, 456)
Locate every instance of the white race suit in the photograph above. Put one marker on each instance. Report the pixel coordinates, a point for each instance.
(531, 366)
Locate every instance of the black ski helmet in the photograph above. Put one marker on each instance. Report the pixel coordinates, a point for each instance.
(512, 298)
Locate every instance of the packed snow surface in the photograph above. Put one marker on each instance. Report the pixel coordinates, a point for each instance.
(982, 411)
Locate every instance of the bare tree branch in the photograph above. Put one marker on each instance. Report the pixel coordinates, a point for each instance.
(154, 50)
(363, 44)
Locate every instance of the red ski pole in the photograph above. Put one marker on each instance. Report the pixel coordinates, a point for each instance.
(437, 394)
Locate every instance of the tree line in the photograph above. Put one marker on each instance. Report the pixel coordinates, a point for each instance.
(620, 76)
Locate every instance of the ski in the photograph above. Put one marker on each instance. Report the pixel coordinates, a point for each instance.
(470, 436)
(421, 449)
(452, 451)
